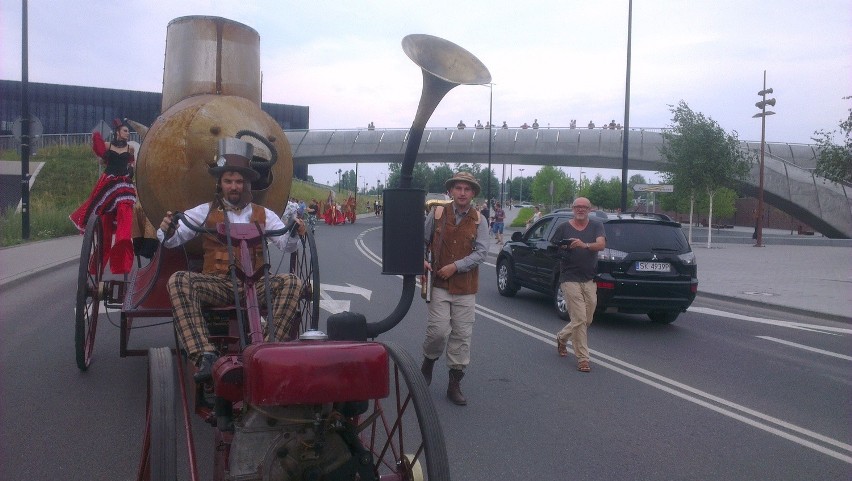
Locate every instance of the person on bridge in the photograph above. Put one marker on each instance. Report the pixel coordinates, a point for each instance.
(580, 239)
(113, 198)
(461, 125)
(455, 236)
(189, 291)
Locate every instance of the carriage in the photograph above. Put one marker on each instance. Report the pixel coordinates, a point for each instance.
(330, 405)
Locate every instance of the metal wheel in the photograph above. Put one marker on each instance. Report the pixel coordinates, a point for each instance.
(89, 279)
(505, 285)
(304, 263)
(560, 303)
(159, 449)
(403, 431)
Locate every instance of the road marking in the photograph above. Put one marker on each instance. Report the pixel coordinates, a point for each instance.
(773, 322)
(806, 348)
(688, 393)
(764, 422)
(349, 289)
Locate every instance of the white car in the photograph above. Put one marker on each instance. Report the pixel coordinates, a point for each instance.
(527, 205)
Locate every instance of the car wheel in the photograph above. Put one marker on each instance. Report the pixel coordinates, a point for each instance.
(560, 304)
(505, 283)
(663, 317)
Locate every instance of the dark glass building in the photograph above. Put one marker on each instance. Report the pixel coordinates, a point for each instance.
(71, 109)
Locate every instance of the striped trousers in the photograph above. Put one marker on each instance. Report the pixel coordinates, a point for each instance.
(190, 292)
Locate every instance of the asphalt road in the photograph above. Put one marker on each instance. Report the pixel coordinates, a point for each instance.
(726, 392)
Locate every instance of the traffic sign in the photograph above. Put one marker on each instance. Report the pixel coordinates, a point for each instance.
(653, 188)
(36, 129)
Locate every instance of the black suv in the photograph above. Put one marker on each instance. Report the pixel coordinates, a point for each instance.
(647, 267)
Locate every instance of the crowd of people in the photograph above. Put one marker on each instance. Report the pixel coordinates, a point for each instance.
(612, 125)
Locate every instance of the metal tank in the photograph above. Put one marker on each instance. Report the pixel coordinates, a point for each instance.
(211, 89)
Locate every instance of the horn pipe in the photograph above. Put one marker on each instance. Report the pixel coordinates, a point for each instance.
(444, 65)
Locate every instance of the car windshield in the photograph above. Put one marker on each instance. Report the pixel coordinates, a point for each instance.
(645, 237)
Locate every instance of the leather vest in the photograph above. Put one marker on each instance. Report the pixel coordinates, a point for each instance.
(451, 242)
(216, 253)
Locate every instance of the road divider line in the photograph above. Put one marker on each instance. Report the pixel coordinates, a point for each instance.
(773, 322)
(806, 348)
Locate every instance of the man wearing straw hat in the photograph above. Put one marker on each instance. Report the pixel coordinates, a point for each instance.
(456, 236)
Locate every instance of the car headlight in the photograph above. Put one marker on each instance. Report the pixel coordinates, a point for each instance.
(611, 255)
(688, 258)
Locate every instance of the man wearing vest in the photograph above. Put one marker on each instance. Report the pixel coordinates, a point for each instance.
(456, 235)
(189, 291)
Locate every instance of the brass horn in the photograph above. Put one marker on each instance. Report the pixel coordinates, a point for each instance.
(444, 65)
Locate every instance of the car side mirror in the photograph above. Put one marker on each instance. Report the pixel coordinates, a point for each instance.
(517, 236)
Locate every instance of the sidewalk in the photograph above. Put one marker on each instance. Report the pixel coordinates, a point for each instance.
(804, 278)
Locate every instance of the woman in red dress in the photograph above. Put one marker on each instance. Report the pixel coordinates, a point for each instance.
(113, 198)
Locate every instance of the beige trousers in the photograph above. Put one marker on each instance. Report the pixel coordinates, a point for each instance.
(450, 327)
(582, 299)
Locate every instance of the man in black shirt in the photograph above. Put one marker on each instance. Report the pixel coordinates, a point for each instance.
(580, 239)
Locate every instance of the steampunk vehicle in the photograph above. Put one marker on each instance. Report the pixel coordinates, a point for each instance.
(322, 406)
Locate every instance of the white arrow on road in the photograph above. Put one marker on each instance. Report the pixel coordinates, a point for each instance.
(333, 305)
(348, 288)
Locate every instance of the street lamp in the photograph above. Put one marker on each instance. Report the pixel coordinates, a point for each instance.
(758, 229)
(338, 179)
(490, 139)
(521, 195)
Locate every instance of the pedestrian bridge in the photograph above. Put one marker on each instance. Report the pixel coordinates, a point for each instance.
(789, 182)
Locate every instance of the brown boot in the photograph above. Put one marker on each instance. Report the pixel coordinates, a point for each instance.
(454, 393)
(426, 369)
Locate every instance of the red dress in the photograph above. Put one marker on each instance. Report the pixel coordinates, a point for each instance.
(112, 198)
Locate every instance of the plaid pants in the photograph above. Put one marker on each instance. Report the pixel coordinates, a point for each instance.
(190, 291)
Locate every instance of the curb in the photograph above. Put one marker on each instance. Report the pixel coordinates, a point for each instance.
(776, 307)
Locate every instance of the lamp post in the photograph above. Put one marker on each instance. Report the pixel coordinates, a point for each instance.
(521, 195)
(338, 179)
(758, 229)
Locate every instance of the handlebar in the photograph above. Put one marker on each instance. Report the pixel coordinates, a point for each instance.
(180, 216)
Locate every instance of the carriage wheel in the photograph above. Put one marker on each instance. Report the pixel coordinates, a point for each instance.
(403, 433)
(89, 279)
(305, 265)
(159, 449)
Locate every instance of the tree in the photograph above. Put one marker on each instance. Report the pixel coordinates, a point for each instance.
(440, 174)
(539, 188)
(701, 157)
(605, 193)
(835, 160)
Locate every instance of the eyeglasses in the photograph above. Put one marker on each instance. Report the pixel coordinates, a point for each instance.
(584, 207)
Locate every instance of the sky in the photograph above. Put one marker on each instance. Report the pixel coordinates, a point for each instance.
(549, 60)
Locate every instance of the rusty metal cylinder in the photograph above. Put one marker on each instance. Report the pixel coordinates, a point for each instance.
(210, 55)
(215, 97)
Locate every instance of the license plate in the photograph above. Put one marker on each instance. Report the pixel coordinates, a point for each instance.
(653, 267)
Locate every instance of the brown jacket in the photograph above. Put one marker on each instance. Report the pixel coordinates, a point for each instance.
(216, 253)
(451, 242)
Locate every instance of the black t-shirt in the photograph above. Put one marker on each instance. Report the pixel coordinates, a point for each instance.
(578, 264)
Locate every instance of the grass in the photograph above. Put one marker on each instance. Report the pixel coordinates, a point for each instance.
(523, 216)
(66, 180)
(63, 183)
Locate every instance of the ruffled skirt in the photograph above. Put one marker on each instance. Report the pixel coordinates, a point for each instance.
(112, 198)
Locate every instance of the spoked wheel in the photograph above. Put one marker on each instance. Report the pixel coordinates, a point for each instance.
(402, 431)
(159, 450)
(89, 279)
(305, 265)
